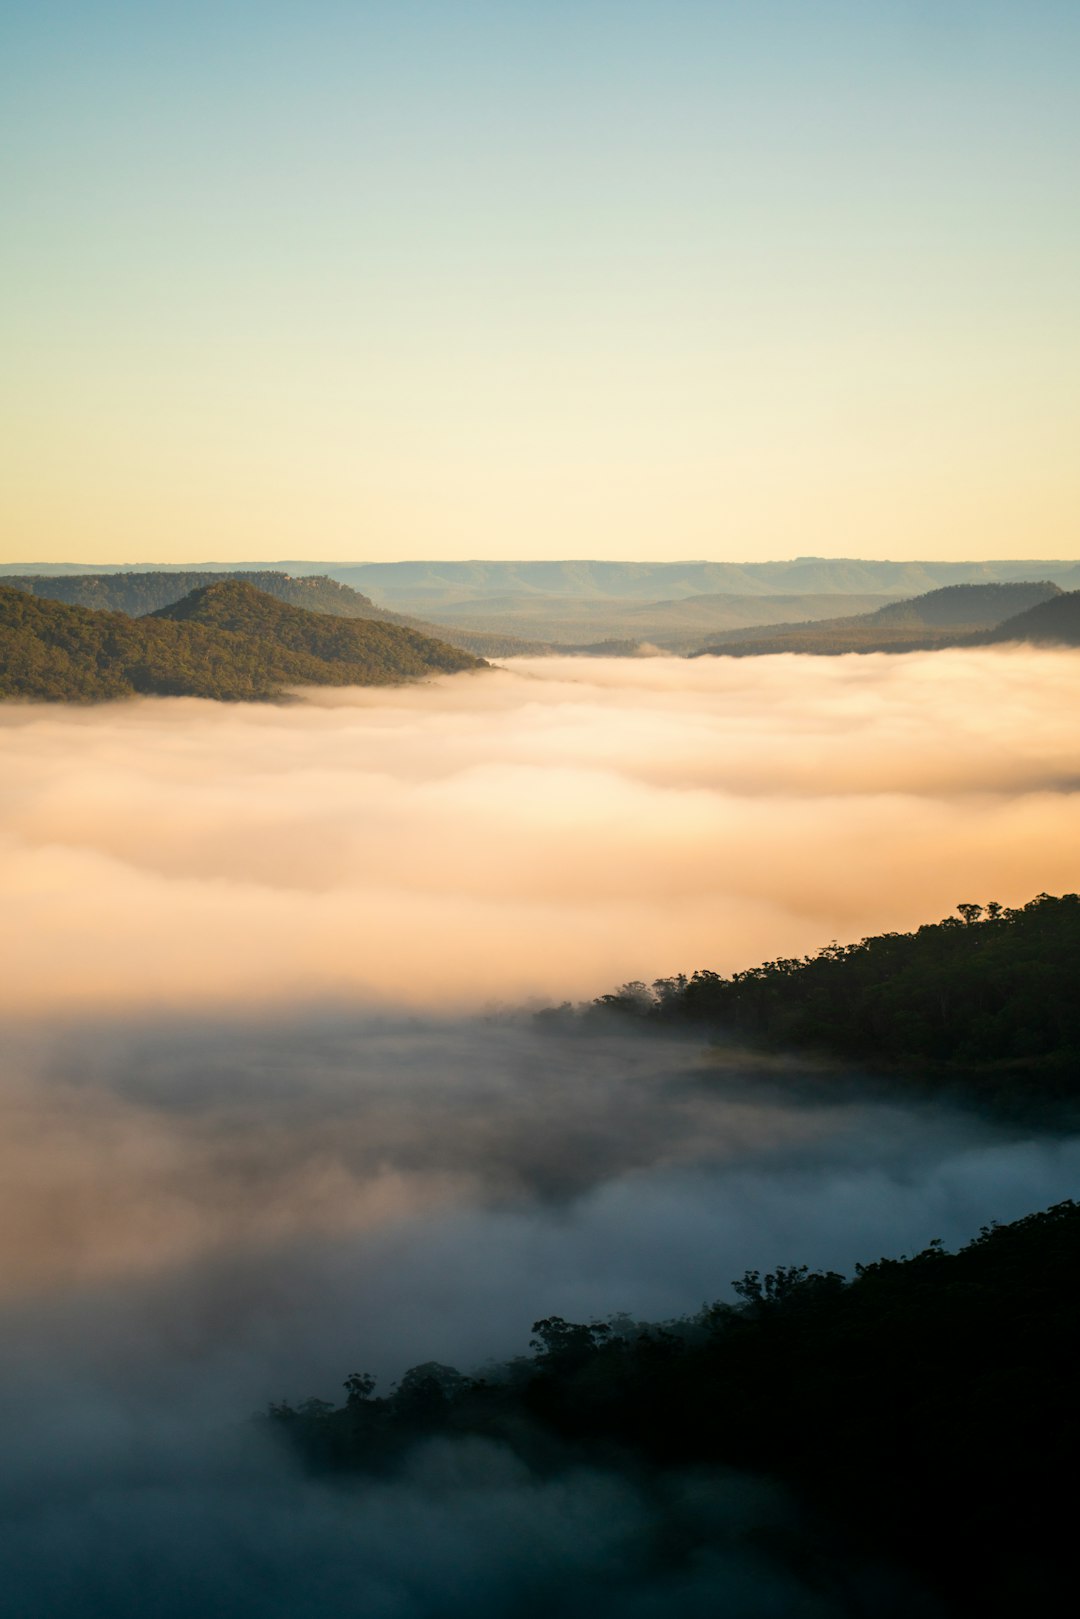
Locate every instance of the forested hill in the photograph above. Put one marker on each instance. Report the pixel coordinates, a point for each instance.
(1055, 622)
(987, 999)
(952, 616)
(139, 593)
(226, 640)
(926, 1413)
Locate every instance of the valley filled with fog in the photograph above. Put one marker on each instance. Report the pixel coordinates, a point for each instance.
(544, 830)
(276, 1107)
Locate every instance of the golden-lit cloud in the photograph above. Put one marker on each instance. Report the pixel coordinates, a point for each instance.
(545, 830)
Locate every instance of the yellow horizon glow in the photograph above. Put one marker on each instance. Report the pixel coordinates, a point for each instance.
(727, 283)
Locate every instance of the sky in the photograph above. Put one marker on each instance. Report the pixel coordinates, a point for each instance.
(614, 278)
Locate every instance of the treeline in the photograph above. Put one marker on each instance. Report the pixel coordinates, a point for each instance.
(226, 641)
(988, 997)
(926, 1412)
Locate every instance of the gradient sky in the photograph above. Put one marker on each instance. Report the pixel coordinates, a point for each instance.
(612, 278)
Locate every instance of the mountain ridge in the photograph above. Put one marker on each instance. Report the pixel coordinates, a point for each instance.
(226, 641)
(948, 616)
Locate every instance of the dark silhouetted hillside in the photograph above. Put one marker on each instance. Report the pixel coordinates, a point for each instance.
(986, 1001)
(226, 640)
(1055, 622)
(925, 1413)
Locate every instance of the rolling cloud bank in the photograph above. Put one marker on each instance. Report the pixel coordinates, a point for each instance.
(542, 830)
(262, 1126)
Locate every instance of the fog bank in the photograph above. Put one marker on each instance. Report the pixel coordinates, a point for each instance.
(549, 829)
(342, 1187)
(201, 1215)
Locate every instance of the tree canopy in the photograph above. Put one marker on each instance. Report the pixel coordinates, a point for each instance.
(225, 640)
(926, 1411)
(987, 997)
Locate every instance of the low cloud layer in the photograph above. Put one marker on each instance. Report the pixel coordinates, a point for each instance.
(346, 1186)
(549, 829)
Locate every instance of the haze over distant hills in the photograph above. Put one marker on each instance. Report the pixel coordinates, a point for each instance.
(944, 617)
(644, 581)
(497, 609)
(444, 582)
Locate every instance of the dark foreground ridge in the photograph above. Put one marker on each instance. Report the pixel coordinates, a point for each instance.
(926, 1413)
(225, 640)
(984, 1002)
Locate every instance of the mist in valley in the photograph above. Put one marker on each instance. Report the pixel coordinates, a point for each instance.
(276, 1108)
(542, 831)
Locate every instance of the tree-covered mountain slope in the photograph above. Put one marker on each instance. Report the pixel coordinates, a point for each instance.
(945, 617)
(1055, 622)
(226, 640)
(926, 1413)
(138, 593)
(987, 999)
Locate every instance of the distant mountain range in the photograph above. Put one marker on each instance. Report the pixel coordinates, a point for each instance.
(140, 593)
(946, 617)
(535, 623)
(420, 586)
(224, 640)
(503, 608)
(400, 584)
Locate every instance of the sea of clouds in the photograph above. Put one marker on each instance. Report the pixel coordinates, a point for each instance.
(270, 1117)
(545, 829)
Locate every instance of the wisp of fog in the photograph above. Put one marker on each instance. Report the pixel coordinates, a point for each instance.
(271, 1114)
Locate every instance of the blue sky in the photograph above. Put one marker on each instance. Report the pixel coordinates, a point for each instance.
(379, 280)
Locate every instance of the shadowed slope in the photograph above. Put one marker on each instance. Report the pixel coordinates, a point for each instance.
(925, 1412)
(1055, 622)
(984, 1002)
(945, 617)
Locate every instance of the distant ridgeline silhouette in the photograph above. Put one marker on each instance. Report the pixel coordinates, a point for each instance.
(225, 640)
(139, 593)
(957, 615)
(986, 1001)
(962, 614)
